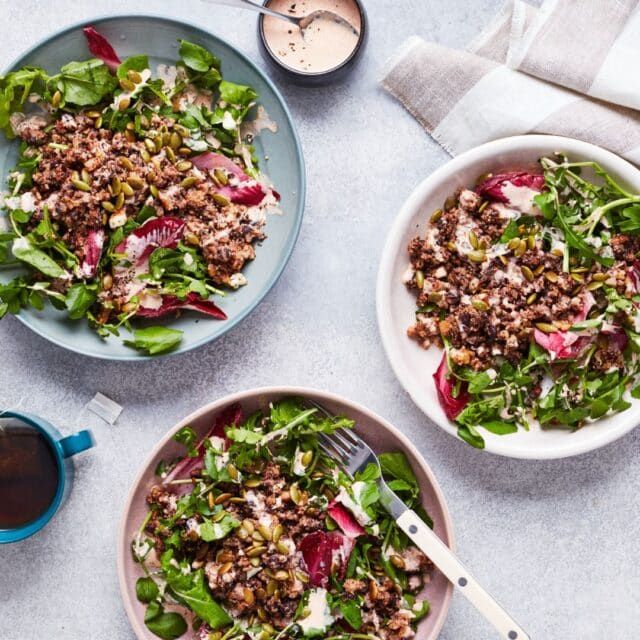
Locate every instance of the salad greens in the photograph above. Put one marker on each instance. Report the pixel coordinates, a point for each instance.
(259, 501)
(192, 113)
(574, 372)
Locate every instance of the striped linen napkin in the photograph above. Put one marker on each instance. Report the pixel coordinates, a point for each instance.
(569, 68)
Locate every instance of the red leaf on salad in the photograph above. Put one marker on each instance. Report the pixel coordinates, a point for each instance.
(231, 416)
(492, 188)
(325, 553)
(563, 345)
(156, 232)
(101, 48)
(616, 335)
(192, 302)
(92, 251)
(444, 386)
(242, 189)
(345, 520)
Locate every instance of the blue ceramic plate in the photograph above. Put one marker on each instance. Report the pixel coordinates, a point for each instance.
(157, 37)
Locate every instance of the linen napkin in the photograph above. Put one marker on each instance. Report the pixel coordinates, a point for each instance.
(525, 74)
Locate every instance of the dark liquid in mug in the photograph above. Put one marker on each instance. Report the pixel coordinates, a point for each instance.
(28, 476)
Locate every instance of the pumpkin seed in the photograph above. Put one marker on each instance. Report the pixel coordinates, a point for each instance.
(449, 203)
(216, 635)
(261, 594)
(452, 246)
(218, 516)
(92, 114)
(282, 548)
(123, 161)
(126, 84)
(504, 260)
(520, 249)
(267, 627)
(307, 457)
(148, 142)
(152, 176)
(210, 500)
(184, 165)
(577, 290)
(80, 184)
(221, 177)
(157, 143)
(473, 239)
(577, 277)
(170, 154)
(130, 136)
(190, 181)
(166, 139)
(531, 242)
(546, 327)
(224, 556)
(127, 189)
(184, 151)
(527, 273)
(557, 252)
(221, 200)
(435, 216)
(434, 296)
(514, 243)
(272, 585)
(248, 596)
(248, 525)
(97, 123)
(592, 286)
(599, 277)
(232, 470)
(265, 531)
(107, 281)
(222, 498)
(397, 561)
(278, 530)
(135, 181)
(303, 577)
(255, 562)
(252, 483)
(119, 201)
(538, 270)
(257, 536)
(295, 493)
(175, 140)
(483, 206)
(224, 568)
(580, 270)
(115, 186)
(282, 575)
(134, 76)
(55, 99)
(480, 305)
(551, 276)
(124, 103)
(262, 614)
(145, 155)
(256, 550)
(108, 206)
(373, 589)
(477, 256)
(154, 190)
(532, 298)
(419, 279)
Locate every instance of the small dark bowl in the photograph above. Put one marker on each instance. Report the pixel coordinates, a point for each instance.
(322, 77)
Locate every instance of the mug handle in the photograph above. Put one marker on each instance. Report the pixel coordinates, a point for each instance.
(76, 443)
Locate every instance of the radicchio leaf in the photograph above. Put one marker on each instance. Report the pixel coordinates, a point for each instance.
(325, 553)
(242, 189)
(155, 232)
(101, 48)
(192, 302)
(345, 520)
(232, 415)
(492, 188)
(444, 386)
(92, 250)
(616, 336)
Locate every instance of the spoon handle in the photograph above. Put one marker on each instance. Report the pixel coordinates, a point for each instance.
(254, 6)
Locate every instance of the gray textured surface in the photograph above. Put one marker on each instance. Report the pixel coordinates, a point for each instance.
(557, 542)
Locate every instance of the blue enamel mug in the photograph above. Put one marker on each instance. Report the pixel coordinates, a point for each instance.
(62, 449)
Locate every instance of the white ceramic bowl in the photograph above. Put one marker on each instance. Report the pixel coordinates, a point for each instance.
(414, 365)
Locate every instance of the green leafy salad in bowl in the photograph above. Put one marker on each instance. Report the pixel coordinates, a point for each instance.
(135, 194)
(530, 282)
(256, 534)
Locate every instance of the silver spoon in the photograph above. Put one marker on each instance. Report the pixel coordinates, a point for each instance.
(302, 22)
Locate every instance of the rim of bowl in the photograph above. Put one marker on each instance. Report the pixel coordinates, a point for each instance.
(409, 209)
(300, 196)
(240, 396)
(315, 74)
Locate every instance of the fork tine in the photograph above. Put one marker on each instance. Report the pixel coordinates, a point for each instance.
(337, 446)
(343, 442)
(350, 437)
(331, 451)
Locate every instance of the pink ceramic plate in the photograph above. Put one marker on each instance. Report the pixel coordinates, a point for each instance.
(378, 433)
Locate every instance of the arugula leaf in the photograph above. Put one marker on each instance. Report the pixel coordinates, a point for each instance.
(396, 465)
(237, 94)
(26, 252)
(15, 88)
(210, 531)
(196, 57)
(134, 63)
(188, 437)
(499, 427)
(80, 297)
(350, 610)
(155, 340)
(164, 625)
(146, 589)
(86, 83)
(471, 436)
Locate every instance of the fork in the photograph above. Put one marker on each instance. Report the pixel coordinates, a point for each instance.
(353, 455)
